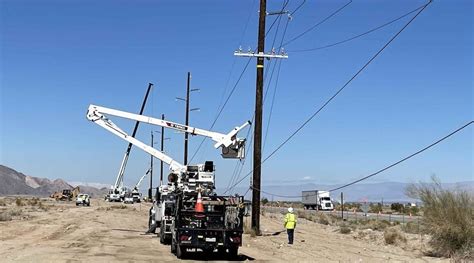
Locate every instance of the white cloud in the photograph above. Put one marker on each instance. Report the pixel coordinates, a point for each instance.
(307, 178)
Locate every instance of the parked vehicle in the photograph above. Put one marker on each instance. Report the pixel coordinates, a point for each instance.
(316, 199)
(83, 199)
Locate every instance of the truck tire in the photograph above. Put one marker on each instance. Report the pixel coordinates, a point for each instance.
(233, 252)
(180, 251)
(162, 234)
(173, 246)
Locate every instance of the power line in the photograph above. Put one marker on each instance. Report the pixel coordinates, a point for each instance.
(235, 86)
(387, 167)
(296, 9)
(235, 176)
(359, 35)
(317, 24)
(338, 92)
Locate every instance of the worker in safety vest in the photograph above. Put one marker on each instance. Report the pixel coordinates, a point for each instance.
(290, 224)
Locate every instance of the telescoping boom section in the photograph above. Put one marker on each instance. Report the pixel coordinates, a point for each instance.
(232, 147)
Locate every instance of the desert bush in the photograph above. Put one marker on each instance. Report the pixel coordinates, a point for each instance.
(3, 203)
(393, 236)
(412, 228)
(379, 225)
(19, 202)
(375, 208)
(397, 207)
(15, 212)
(448, 217)
(33, 201)
(5, 216)
(344, 229)
(323, 219)
(118, 207)
(248, 229)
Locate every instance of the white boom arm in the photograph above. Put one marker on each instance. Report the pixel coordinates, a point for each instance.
(141, 179)
(97, 114)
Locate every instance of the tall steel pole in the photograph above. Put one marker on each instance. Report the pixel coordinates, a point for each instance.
(257, 147)
(187, 120)
(162, 147)
(150, 190)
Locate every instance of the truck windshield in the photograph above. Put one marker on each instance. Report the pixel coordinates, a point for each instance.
(326, 198)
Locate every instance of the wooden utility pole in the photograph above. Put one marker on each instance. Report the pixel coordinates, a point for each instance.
(257, 146)
(161, 148)
(187, 121)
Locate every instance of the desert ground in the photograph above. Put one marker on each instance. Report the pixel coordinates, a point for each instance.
(52, 231)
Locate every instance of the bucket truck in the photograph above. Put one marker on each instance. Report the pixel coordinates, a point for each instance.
(187, 210)
(135, 191)
(118, 191)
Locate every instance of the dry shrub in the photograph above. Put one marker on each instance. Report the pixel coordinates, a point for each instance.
(9, 214)
(379, 225)
(393, 236)
(5, 216)
(248, 229)
(19, 202)
(324, 219)
(344, 229)
(33, 201)
(412, 228)
(118, 207)
(3, 203)
(448, 217)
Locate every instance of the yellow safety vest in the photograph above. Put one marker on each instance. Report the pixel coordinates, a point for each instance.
(290, 221)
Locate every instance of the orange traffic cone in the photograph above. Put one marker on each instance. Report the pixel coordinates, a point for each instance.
(199, 208)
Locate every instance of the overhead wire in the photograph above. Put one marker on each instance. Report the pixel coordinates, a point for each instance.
(233, 89)
(265, 97)
(359, 35)
(237, 172)
(338, 91)
(317, 24)
(387, 167)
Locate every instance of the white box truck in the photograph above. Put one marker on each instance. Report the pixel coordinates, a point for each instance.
(316, 199)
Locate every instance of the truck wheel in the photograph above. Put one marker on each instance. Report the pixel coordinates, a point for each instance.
(162, 234)
(233, 252)
(173, 246)
(180, 251)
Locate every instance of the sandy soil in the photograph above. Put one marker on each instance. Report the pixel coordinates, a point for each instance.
(104, 232)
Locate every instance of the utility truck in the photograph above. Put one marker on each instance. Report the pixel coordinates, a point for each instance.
(317, 199)
(188, 212)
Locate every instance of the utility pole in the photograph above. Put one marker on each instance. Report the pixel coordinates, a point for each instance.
(150, 190)
(187, 120)
(257, 148)
(342, 206)
(161, 148)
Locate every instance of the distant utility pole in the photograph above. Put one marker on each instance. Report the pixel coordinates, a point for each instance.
(150, 190)
(188, 91)
(187, 120)
(257, 149)
(162, 148)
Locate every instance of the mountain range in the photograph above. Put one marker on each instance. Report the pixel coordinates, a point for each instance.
(16, 183)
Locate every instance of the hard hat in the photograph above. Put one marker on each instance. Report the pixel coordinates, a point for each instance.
(290, 209)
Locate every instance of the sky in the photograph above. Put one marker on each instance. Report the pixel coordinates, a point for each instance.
(57, 57)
